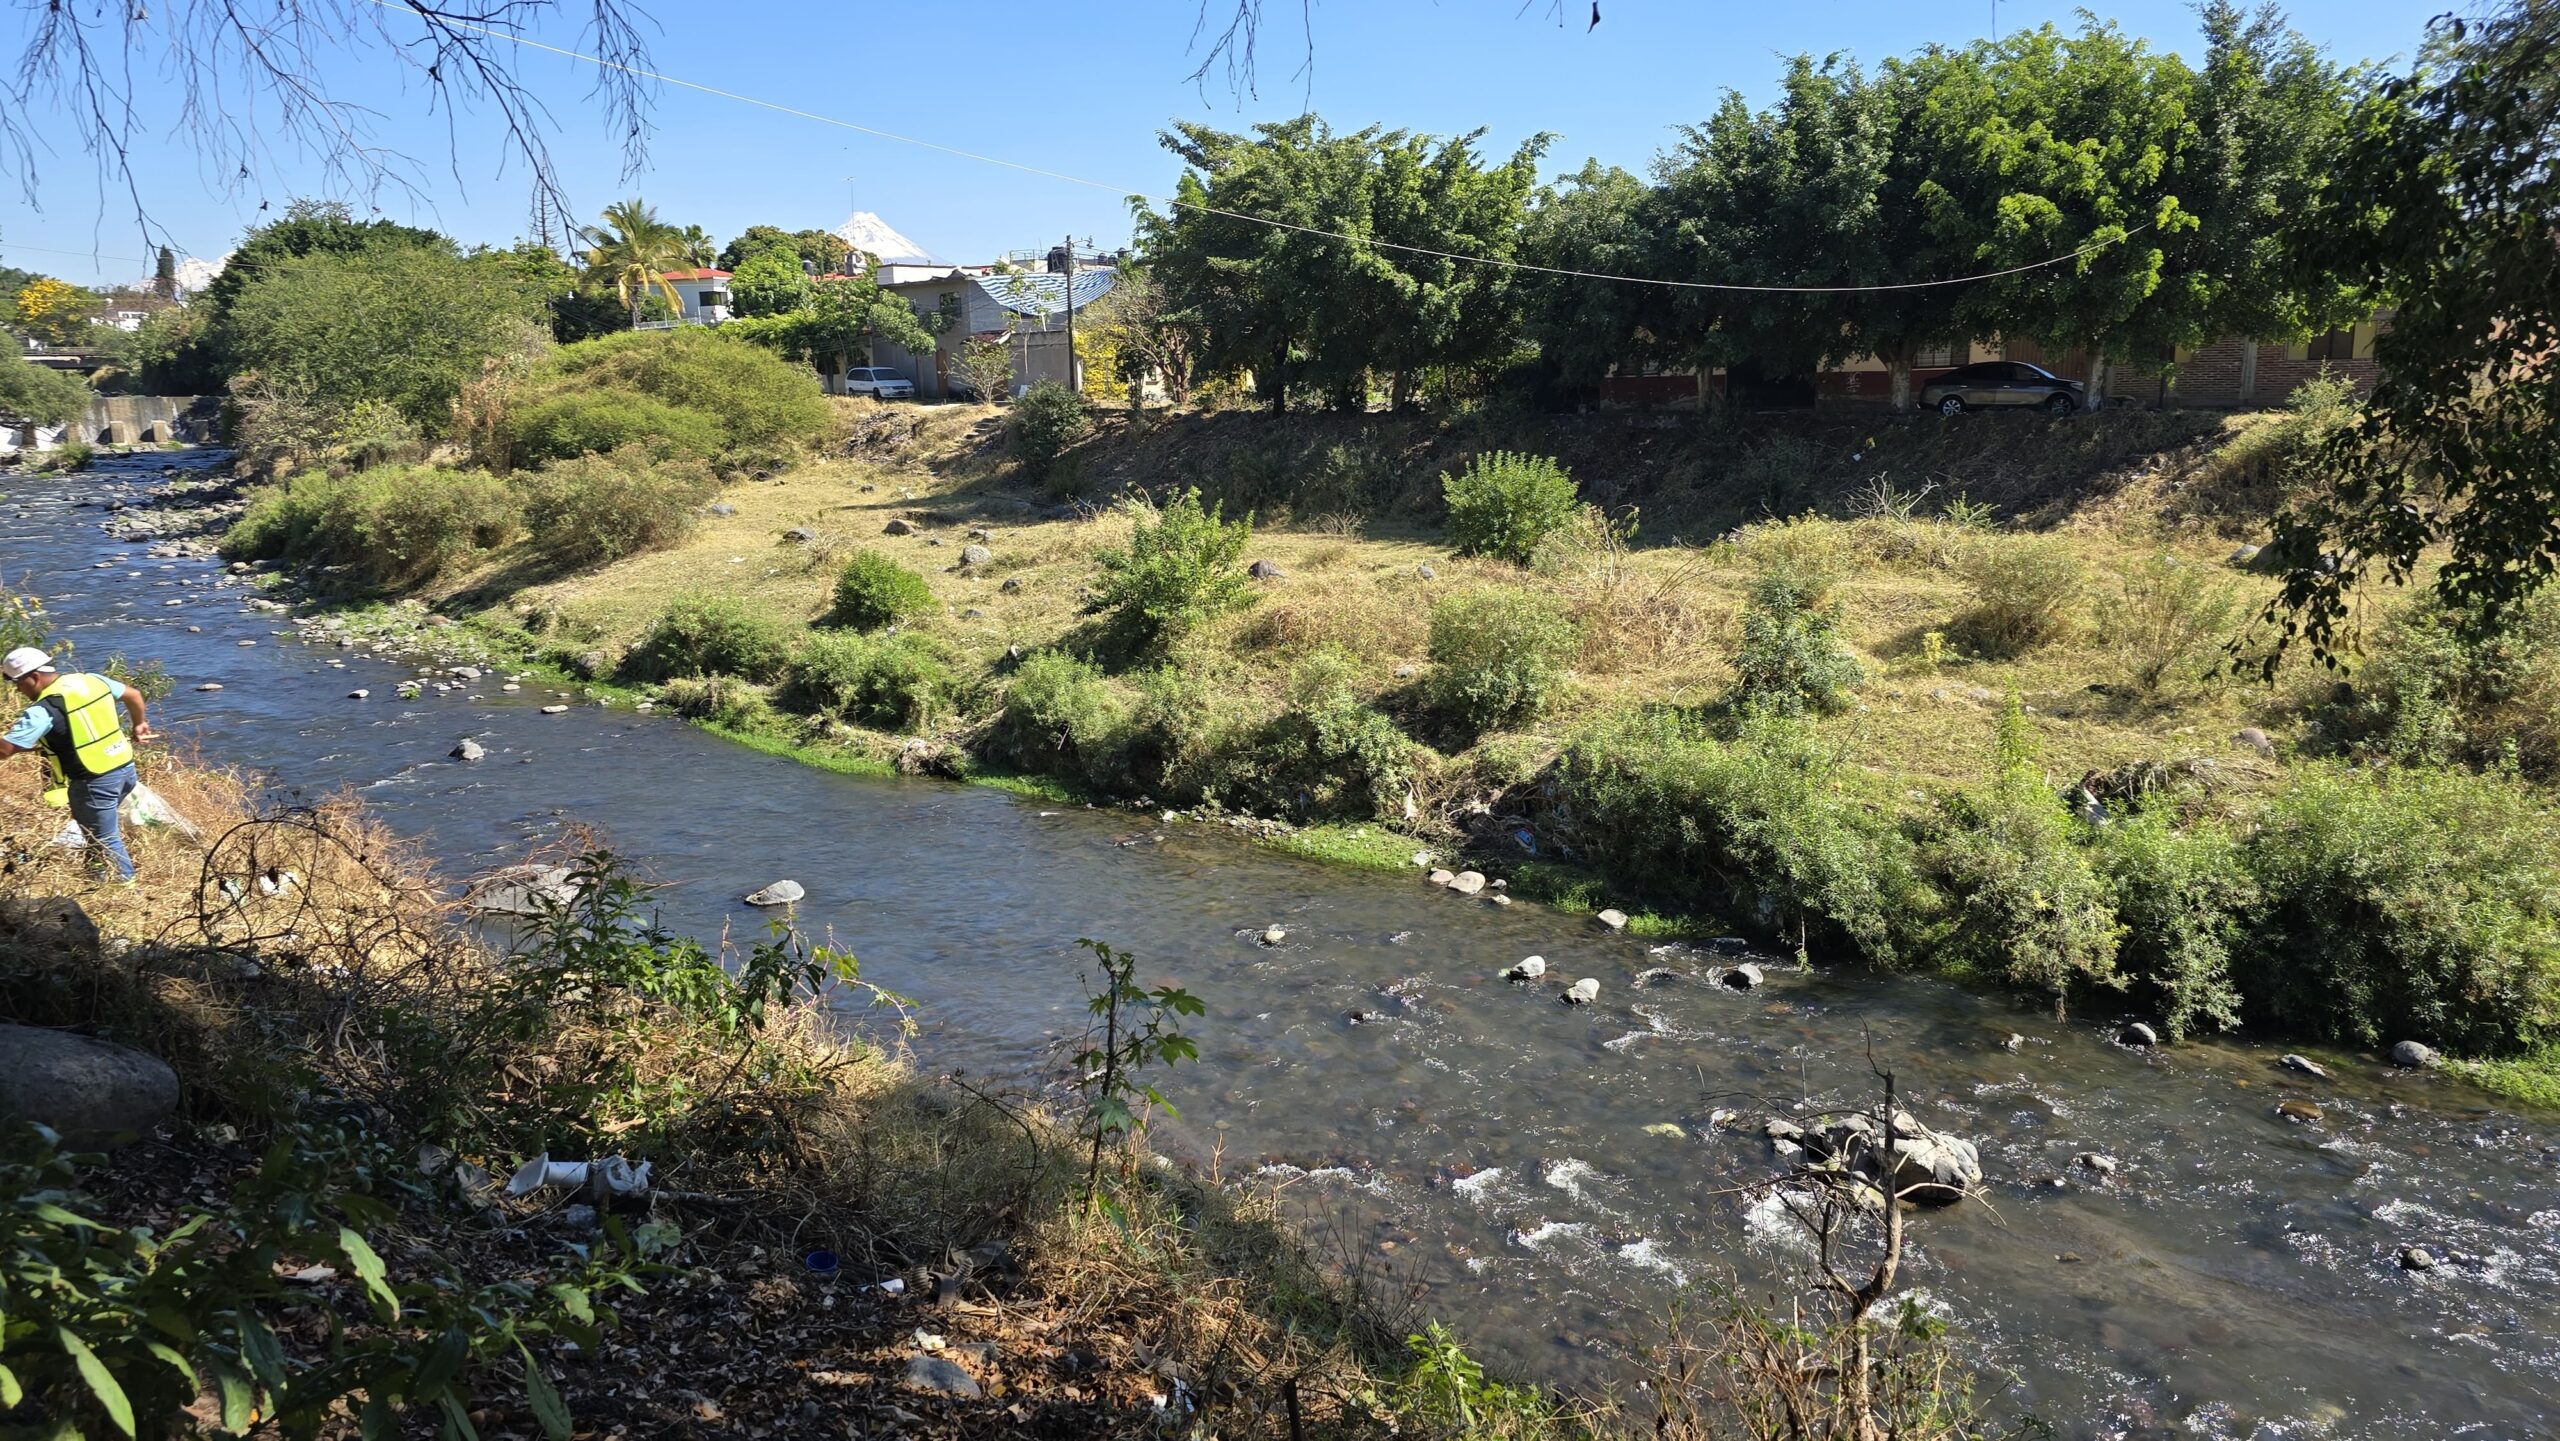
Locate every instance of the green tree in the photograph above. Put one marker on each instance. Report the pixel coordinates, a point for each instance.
(164, 274)
(2445, 198)
(839, 322)
(769, 282)
(821, 248)
(630, 252)
(32, 394)
(1599, 220)
(403, 326)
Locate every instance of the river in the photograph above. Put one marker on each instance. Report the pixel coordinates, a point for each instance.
(2237, 1277)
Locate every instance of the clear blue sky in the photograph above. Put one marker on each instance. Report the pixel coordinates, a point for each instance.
(1084, 95)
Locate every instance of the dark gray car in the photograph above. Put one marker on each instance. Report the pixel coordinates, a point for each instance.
(1999, 384)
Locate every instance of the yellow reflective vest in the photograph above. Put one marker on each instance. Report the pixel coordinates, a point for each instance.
(87, 736)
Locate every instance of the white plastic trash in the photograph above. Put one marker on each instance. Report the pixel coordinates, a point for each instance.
(614, 1176)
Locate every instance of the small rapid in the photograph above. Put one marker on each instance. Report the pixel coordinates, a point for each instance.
(1543, 1174)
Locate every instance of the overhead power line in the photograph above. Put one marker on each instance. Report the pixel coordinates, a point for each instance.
(639, 73)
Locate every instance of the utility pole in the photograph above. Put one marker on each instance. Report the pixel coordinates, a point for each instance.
(1074, 381)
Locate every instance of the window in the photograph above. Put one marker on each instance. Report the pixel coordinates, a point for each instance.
(709, 298)
(2337, 345)
(2019, 373)
(1932, 357)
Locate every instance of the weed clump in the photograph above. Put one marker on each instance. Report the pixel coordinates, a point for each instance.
(1047, 420)
(894, 683)
(2167, 624)
(1504, 503)
(1499, 655)
(689, 391)
(2181, 892)
(1792, 660)
(2026, 594)
(1061, 714)
(387, 529)
(707, 635)
(874, 591)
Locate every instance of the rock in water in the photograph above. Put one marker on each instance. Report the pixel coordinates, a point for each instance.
(469, 750)
(91, 1091)
(2139, 1034)
(524, 891)
(358, 694)
(2413, 1055)
(1273, 935)
(2306, 1066)
(2104, 1165)
(1440, 877)
(2302, 1112)
(2417, 1258)
(1743, 977)
(1582, 992)
(780, 893)
(1528, 970)
(1615, 920)
(555, 710)
(1467, 883)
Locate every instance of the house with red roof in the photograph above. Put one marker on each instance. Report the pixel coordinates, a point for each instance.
(704, 295)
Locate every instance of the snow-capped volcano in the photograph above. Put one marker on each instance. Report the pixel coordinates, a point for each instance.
(875, 237)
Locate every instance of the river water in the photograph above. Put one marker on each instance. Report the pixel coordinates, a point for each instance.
(2237, 1277)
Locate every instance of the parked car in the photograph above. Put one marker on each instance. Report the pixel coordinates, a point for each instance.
(1995, 384)
(879, 382)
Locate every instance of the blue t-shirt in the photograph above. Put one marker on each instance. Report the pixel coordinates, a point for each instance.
(36, 719)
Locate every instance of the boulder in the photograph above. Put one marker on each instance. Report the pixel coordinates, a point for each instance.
(1440, 877)
(898, 527)
(2255, 739)
(1582, 992)
(1927, 1168)
(780, 893)
(2138, 1034)
(1273, 935)
(1529, 969)
(1744, 977)
(1265, 570)
(2413, 1055)
(1012, 584)
(2306, 1066)
(2244, 554)
(800, 534)
(1467, 883)
(1614, 919)
(55, 921)
(975, 555)
(468, 750)
(93, 1092)
(2417, 1258)
(555, 710)
(522, 891)
(723, 508)
(2102, 1164)
(1425, 572)
(932, 1373)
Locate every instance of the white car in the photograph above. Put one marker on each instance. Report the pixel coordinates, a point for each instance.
(878, 382)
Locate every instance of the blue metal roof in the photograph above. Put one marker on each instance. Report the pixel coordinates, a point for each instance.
(1043, 293)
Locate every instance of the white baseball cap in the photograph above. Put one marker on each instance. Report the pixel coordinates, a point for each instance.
(26, 660)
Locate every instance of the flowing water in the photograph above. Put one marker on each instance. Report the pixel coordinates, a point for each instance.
(2236, 1277)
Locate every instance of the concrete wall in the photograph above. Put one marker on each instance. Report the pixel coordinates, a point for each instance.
(149, 419)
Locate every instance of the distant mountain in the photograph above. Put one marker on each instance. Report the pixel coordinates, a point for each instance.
(875, 237)
(193, 274)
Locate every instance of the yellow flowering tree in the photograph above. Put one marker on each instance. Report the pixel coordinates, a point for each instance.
(53, 311)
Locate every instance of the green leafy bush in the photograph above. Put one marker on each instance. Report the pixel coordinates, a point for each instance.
(1763, 826)
(1330, 755)
(1047, 420)
(2440, 688)
(2406, 904)
(1792, 660)
(386, 529)
(689, 390)
(2181, 893)
(896, 682)
(1504, 503)
(2167, 624)
(704, 635)
(2278, 453)
(1061, 714)
(2026, 594)
(1499, 655)
(2024, 903)
(875, 591)
(597, 508)
(1179, 571)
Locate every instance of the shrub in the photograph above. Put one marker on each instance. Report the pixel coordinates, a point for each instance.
(2181, 893)
(889, 682)
(1048, 419)
(1792, 660)
(598, 508)
(1761, 825)
(689, 390)
(1504, 503)
(704, 635)
(386, 529)
(875, 591)
(2439, 688)
(2026, 590)
(1329, 754)
(1498, 655)
(2025, 905)
(1179, 571)
(1060, 713)
(2413, 904)
(2278, 450)
(2167, 623)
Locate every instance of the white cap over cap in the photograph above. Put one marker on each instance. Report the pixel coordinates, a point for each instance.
(26, 660)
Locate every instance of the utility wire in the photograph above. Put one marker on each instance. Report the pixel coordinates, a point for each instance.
(779, 108)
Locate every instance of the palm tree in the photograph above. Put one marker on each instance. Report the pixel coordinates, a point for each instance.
(632, 250)
(699, 248)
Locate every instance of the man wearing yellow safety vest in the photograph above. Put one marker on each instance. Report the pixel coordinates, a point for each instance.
(73, 720)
